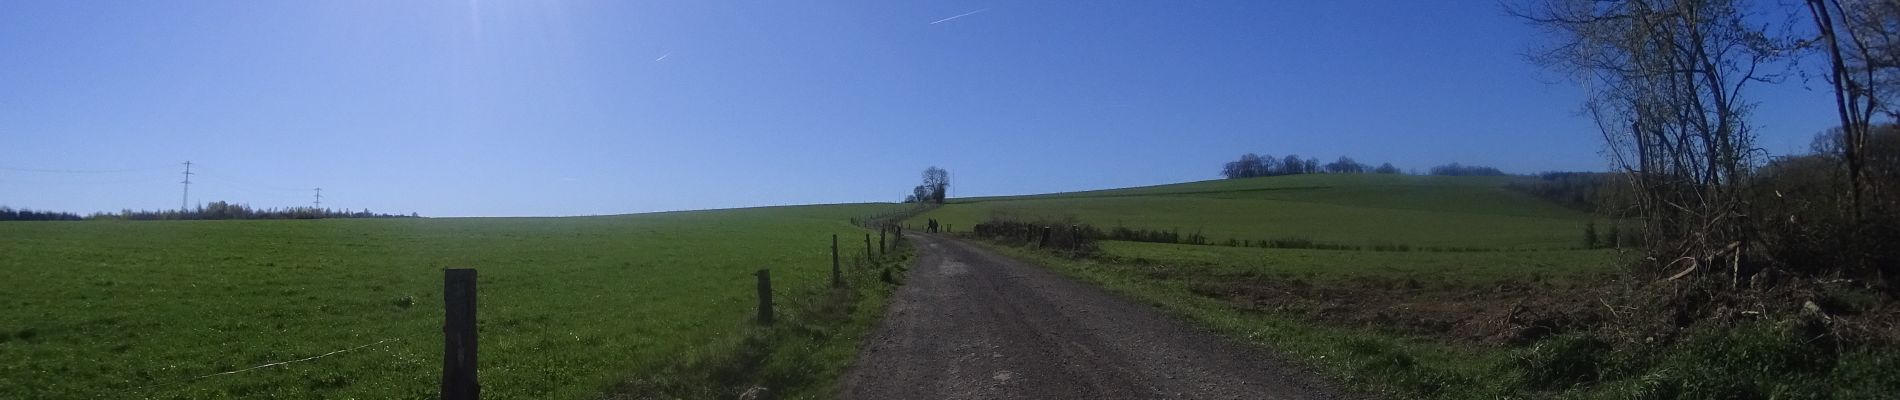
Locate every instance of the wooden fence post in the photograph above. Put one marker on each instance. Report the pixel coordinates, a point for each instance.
(765, 296)
(1045, 237)
(837, 278)
(880, 240)
(1075, 237)
(867, 247)
(458, 336)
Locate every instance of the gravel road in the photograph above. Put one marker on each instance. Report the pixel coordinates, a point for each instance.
(972, 324)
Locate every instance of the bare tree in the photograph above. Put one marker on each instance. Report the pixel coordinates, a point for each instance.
(1345, 165)
(1665, 79)
(1250, 165)
(1386, 168)
(937, 180)
(1861, 39)
(1293, 165)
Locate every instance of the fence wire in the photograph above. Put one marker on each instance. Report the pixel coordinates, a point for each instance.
(274, 364)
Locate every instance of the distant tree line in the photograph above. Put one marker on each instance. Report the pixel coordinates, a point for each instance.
(1584, 191)
(1456, 169)
(10, 214)
(211, 211)
(1253, 165)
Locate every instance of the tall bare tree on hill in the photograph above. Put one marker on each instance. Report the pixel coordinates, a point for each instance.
(937, 180)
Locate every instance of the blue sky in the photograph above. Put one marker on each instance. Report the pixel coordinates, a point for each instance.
(488, 108)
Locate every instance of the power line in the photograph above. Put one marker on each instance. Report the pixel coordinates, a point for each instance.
(238, 182)
(80, 171)
(82, 182)
(184, 202)
(192, 173)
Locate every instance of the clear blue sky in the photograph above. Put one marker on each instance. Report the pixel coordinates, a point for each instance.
(493, 108)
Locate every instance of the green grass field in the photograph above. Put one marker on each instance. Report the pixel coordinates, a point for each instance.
(1353, 209)
(1329, 265)
(569, 307)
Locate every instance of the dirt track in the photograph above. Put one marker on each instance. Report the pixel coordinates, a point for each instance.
(971, 324)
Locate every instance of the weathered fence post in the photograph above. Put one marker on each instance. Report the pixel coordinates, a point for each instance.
(1075, 237)
(1045, 237)
(765, 296)
(880, 240)
(458, 335)
(867, 247)
(837, 278)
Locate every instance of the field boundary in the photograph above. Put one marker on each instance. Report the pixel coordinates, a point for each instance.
(1083, 195)
(773, 356)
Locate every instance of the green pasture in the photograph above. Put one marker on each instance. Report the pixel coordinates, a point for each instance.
(568, 307)
(1350, 209)
(1457, 268)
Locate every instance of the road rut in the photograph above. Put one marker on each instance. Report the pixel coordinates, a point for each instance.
(972, 324)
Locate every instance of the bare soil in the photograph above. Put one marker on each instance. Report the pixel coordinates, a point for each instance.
(971, 324)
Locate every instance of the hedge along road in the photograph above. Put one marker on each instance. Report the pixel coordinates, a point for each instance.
(972, 324)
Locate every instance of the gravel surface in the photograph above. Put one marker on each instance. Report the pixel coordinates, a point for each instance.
(972, 324)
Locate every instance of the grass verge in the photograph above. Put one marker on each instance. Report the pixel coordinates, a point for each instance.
(1754, 359)
(801, 355)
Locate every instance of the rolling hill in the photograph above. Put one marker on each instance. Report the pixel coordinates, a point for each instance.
(1354, 209)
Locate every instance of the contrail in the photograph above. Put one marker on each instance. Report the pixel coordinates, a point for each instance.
(959, 16)
(662, 57)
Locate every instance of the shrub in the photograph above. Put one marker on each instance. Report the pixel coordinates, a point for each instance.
(1066, 233)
